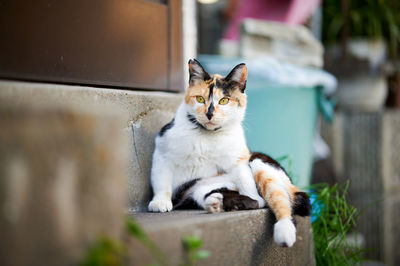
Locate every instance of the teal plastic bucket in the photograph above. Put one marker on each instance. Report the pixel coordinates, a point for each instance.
(280, 119)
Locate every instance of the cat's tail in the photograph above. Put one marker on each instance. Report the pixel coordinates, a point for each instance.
(282, 197)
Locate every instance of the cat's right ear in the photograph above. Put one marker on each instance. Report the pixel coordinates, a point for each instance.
(197, 72)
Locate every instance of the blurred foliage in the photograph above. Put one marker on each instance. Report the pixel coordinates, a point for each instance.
(135, 230)
(111, 252)
(106, 252)
(363, 18)
(335, 218)
(192, 244)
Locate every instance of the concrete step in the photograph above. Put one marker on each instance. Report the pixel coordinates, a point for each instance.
(66, 181)
(233, 238)
(142, 115)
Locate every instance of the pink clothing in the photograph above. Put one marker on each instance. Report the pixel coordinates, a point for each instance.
(287, 11)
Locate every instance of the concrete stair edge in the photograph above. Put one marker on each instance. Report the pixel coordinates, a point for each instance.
(248, 238)
(233, 238)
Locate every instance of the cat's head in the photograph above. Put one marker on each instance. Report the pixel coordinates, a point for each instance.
(214, 102)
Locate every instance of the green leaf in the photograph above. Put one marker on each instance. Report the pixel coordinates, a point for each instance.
(134, 229)
(202, 254)
(105, 251)
(192, 242)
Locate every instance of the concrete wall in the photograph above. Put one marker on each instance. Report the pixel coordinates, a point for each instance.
(142, 115)
(66, 153)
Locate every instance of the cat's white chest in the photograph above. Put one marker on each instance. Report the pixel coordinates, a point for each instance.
(195, 156)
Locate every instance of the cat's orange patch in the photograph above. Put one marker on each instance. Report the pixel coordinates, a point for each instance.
(280, 208)
(239, 97)
(201, 110)
(277, 200)
(265, 183)
(292, 190)
(258, 176)
(277, 194)
(195, 90)
(244, 157)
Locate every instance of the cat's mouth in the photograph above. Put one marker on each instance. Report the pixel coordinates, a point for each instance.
(207, 125)
(210, 124)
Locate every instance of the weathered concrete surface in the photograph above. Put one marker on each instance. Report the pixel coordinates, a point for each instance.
(63, 182)
(142, 115)
(366, 147)
(235, 238)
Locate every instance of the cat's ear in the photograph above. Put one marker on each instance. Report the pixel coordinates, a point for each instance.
(238, 76)
(197, 72)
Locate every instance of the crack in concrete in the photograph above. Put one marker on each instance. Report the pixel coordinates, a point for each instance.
(135, 148)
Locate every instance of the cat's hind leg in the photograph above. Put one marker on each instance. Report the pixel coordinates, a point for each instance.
(217, 194)
(282, 196)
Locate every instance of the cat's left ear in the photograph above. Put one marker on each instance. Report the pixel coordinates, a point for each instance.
(238, 75)
(197, 72)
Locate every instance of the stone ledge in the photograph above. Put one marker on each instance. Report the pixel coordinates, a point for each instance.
(132, 105)
(234, 238)
(62, 184)
(142, 115)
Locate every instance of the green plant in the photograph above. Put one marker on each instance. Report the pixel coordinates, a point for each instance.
(111, 252)
(334, 218)
(362, 18)
(192, 244)
(105, 252)
(135, 230)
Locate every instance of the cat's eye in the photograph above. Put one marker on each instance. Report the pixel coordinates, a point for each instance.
(200, 99)
(223, 101)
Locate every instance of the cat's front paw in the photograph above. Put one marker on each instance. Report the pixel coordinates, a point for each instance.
(285, 233)
(160, 205)
(214, 203)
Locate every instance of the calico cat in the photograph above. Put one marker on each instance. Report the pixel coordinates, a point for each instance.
(201, 158)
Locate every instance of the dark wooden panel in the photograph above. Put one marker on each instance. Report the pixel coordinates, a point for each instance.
(104, 42)
(176, 46)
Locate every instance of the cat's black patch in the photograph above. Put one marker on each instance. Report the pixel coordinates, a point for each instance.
(197, 75)
(231, 83)
(219, 190)
(179, 200)
(294, 221)
(267, 159)
(210, 111)
(194, 121)
(211, 87)
(166, 127)
(233, 201)
(226, 86)
(187, 204)
(301, 204)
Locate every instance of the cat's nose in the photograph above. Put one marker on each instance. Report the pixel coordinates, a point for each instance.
(210, 111)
